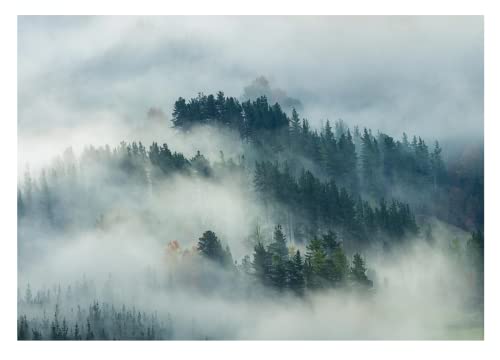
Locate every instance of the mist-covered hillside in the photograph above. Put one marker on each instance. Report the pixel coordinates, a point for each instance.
(237, 219)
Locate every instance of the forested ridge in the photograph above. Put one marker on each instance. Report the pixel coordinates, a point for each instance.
(378, 165)
(328, 196)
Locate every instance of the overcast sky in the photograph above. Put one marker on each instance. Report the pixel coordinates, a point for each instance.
(421, 75)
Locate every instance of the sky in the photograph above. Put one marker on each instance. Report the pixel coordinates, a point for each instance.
(80, 79)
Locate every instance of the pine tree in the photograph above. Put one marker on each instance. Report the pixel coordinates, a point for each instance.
(296, 281)
(316, 258)
(210, 247)
(278, 273)
(278, 247)
(64, 330)
(261, 263)
(295, 130)
(367, 154)
(329, 242)
(180, 114)
(76, 333)
(341, 266)
(22, 328)
(358, 271)
(55, 329)
(437, 166)
(90, 333)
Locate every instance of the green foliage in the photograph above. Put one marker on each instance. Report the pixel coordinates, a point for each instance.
(316, 259)
(324, 205)
(261, 263)
(278, 247)
(364, 163)
(326, 262)
(340, 266)
(278, 273)
(296, 280)
(166, 161)
(210, 247)
(358, 271)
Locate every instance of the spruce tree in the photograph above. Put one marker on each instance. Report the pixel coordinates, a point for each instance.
(278, 273)
(76, 333)
(295, 130)
(90, 333)
(296, 281)
(317, 261)
(278, 246)
(261, 263)
(22, 328)
(358, 271)
(210, 247)
(341, 265)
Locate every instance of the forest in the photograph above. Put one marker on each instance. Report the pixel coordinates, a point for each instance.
(295, 216)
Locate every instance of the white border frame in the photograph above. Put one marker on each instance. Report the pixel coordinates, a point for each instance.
(243, 350)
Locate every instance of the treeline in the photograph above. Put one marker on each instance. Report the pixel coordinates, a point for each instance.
(97, 322)
(275, 266)
(248, 117)
(354, 158)
(61, 194)
(306, 205)
(282, 268)
(375, 164)
(313, 206)
(279, 266)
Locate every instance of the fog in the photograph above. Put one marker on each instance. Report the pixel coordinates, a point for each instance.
(407, 303)
(421, 291)
(391, 73)
(88, 82)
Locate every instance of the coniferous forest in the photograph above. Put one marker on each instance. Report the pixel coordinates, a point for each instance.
(250, 178)
(321, 203)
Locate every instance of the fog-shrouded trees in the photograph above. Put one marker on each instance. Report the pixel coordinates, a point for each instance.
(210, 247)
(474, 249)
(358, 271)
(322, 205)
(327, 194)
(363, 162)
(99, 321)
(296, 280)
(325, 265)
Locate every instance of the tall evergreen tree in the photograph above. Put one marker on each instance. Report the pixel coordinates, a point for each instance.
(261, 263)
(316, 258)
(296, 281)
(278, 272)
(210, 247)
(358, 271)
(278, 247)
(295, 130)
